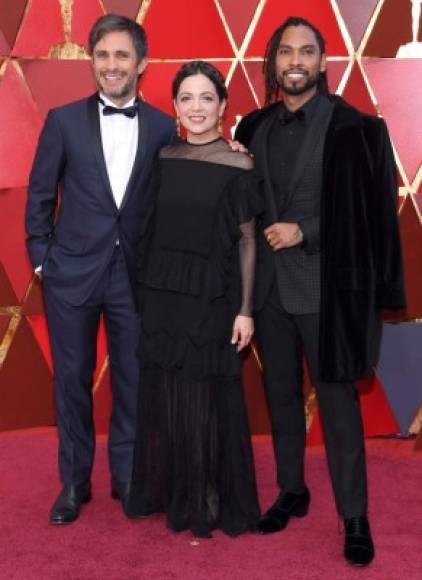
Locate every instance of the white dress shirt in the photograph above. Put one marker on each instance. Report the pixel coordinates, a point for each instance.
(119, 135)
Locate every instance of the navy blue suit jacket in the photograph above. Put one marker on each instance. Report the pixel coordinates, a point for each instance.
(72, 220)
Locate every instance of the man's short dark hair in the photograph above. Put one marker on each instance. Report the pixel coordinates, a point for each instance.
(117, 23)
(272, 88)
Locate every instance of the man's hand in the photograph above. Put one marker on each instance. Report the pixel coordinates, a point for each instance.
(237, 146)
(243, 328)
(283, 235)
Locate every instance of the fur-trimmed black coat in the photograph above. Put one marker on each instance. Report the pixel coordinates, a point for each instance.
(361, 261)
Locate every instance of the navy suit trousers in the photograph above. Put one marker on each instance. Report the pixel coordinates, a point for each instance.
(73, 336)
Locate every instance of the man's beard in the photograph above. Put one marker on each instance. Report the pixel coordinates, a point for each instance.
(120, 92)
(298, 89)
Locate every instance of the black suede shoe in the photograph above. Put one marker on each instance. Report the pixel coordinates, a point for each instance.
(287, 505)
(68, 504)
(358, 545)
(121, 490)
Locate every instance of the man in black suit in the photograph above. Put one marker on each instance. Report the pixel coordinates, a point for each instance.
(96, 156)
(329, 259)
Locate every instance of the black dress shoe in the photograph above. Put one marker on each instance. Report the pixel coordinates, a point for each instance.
(358, 545)
(121, 490)
(67, 506)
(287, 504)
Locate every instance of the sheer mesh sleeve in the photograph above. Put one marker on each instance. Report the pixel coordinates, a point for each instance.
(247, 251)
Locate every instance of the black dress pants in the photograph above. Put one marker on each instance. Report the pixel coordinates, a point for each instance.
(282, 340)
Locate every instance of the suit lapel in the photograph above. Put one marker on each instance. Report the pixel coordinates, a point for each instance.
(94, 120)
(262, 137)
(315, 132)
(143, 129)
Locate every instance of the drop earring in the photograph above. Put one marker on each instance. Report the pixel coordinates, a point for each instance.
(178, 125)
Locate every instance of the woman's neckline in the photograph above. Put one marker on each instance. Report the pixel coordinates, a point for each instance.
(219, 138)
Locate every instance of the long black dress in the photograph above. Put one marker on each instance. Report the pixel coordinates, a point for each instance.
(193, 456)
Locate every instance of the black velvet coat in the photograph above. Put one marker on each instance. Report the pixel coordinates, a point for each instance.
(361, 261)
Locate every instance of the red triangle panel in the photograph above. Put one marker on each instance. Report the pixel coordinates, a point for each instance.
(356, 15)
(84, 14)
(10, 19)
(4, 47)
(418, 201)
(392, 29)
(397, 86)
(241, 100)
(20, 125)
(335, 72)
(356, 92)
(319, 13)
(59, 76)
(256, 76)
(25, 389)
(378, 418)
(183, 30)
(411, 235)
(238, 20)
(41, 29)
(129, 8)
(7, 294)
(12, 247)
(254, 394)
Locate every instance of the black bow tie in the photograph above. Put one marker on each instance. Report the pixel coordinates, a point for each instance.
(289, 116)
(130, 112)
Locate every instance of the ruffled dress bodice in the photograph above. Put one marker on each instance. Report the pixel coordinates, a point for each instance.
(192, 279)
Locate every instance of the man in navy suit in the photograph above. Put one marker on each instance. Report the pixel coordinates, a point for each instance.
(96, 157)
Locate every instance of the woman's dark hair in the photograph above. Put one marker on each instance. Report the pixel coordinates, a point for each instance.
(200, 67)
(272, 88)
(117, 23)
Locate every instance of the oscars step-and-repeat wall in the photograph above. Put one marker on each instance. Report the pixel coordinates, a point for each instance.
(375, 62)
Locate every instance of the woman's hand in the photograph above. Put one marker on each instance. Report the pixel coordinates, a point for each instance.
(243, 329)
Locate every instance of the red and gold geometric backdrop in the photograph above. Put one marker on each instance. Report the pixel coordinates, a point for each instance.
(43, 63)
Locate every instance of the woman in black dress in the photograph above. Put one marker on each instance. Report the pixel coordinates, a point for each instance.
(193, 456)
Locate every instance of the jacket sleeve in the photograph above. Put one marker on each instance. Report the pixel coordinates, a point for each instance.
(43, 189)
(385, 232)
(311, 234)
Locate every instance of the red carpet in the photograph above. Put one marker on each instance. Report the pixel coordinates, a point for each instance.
(104, 545)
